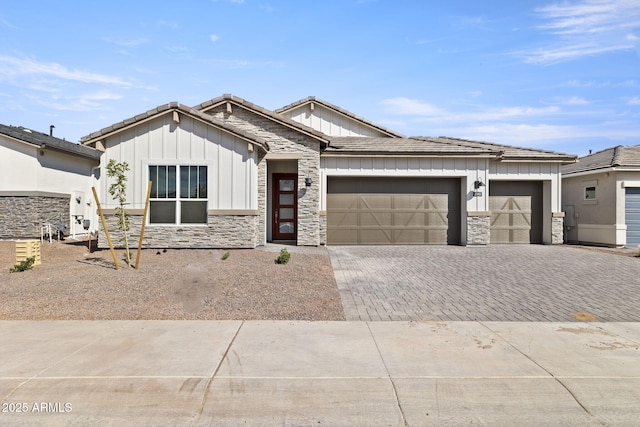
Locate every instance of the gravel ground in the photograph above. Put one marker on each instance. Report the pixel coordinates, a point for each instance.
(72, 283)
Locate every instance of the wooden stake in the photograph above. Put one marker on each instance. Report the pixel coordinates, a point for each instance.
(144, 222)
(106, 229)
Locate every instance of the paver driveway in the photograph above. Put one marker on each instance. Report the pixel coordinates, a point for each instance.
(500, 282)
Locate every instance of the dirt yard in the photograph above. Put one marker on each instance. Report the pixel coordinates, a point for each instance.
(72, 283)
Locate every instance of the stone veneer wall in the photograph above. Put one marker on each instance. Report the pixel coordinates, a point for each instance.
(323, 229)
(478, 228)
(557, 228)
(222, 231)
(22, 216)
(283, 140)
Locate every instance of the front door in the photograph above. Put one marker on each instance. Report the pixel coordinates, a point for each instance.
(285, 206)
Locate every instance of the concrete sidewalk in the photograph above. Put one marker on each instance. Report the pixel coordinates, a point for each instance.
(319, 373)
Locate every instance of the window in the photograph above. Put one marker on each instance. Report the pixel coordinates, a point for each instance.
(186, 206)
(590, 193)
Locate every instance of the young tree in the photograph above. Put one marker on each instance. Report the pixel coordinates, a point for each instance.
(118, 191)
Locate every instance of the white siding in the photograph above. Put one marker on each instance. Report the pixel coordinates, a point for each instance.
(330, 122)
(232, 168)
(532, 171)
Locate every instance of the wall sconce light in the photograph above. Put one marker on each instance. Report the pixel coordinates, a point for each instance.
(476, 185)
(308, 181)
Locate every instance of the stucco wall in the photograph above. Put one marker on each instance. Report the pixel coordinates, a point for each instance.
(593, 221)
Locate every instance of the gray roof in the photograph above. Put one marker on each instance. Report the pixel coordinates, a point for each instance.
(616, 157)
(441, 146)
(264, 112)
(174, 106)
(341, 110)
(44, 140)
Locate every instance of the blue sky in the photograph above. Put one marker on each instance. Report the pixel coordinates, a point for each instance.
(557, 75)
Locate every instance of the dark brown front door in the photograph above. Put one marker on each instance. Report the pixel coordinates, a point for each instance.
(285, 206)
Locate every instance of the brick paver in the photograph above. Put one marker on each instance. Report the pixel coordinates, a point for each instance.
(500, 282)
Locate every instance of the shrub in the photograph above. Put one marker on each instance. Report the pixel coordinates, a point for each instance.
(226, 255)
(27, 264)
(284, 256)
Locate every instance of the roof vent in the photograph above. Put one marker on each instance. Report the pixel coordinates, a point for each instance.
(51, 128)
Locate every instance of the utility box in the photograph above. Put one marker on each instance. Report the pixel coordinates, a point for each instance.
(28, 248)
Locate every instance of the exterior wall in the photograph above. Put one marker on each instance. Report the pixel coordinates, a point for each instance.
(21, 216)
(232, 167)
(222, 231)
(27, 170)
(233, 178)
(285, 141)
(596, 221)
(330, 122)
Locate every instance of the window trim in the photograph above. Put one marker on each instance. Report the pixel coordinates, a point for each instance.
(588, 189)
(178, 199)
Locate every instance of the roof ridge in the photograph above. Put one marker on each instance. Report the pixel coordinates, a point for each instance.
(262, 110)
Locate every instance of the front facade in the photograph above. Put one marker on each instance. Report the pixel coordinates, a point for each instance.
(45, 184)
(601, 198)
(229, 173)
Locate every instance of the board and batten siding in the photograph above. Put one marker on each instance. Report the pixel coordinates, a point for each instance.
(533, 171)
(232, 168)
(330, 122)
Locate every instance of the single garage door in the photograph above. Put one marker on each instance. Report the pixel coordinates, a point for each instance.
(632, 216)
(516, 211)
(388, 211)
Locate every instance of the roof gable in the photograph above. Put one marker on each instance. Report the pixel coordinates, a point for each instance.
(173, 108)
(42, 140)
(234, 101)
(327, 114)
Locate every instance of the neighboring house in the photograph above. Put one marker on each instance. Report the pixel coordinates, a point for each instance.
(601, 198)
(229, 173)
(44, 180)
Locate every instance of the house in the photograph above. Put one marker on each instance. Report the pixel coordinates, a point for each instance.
(44, 180)
(230, 173)
(601, 198)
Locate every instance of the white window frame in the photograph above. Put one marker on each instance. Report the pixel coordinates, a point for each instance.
(589, 188)
(179, 199)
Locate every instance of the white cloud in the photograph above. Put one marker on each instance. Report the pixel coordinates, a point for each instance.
(126, 42)
(425, 112)
(576, 100)
(634, 101)
(585, 28)
(15, 67)
(214, 37)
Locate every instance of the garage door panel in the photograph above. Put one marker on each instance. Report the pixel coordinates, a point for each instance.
(632, 216)
(510, 219)
(387, 218)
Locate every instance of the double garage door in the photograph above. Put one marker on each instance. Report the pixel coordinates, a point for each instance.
(388, 211)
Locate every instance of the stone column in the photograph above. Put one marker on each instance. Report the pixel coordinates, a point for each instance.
(478, 228)
(557, 228)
